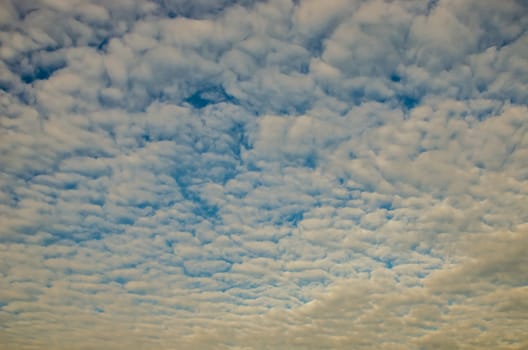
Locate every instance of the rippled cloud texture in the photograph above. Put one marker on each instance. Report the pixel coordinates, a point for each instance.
(281, 174)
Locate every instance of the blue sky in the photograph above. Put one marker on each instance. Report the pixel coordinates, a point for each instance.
(273, 174)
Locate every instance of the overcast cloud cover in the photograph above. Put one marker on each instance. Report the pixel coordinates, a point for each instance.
(276, 174)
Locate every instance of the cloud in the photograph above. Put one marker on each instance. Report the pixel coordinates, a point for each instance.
(257, 175)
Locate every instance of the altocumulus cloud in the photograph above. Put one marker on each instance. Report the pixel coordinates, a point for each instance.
(273, 174)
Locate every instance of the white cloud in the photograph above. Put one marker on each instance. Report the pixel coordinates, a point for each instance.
(257, 175)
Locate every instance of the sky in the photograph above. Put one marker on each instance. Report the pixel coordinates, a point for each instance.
(281, 174)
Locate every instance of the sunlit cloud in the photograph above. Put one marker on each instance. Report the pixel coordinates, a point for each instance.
(263, 174)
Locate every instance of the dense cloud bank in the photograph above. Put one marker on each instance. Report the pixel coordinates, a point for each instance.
(263, 175)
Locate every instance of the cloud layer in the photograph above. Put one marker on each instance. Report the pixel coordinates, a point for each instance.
(263, 174)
